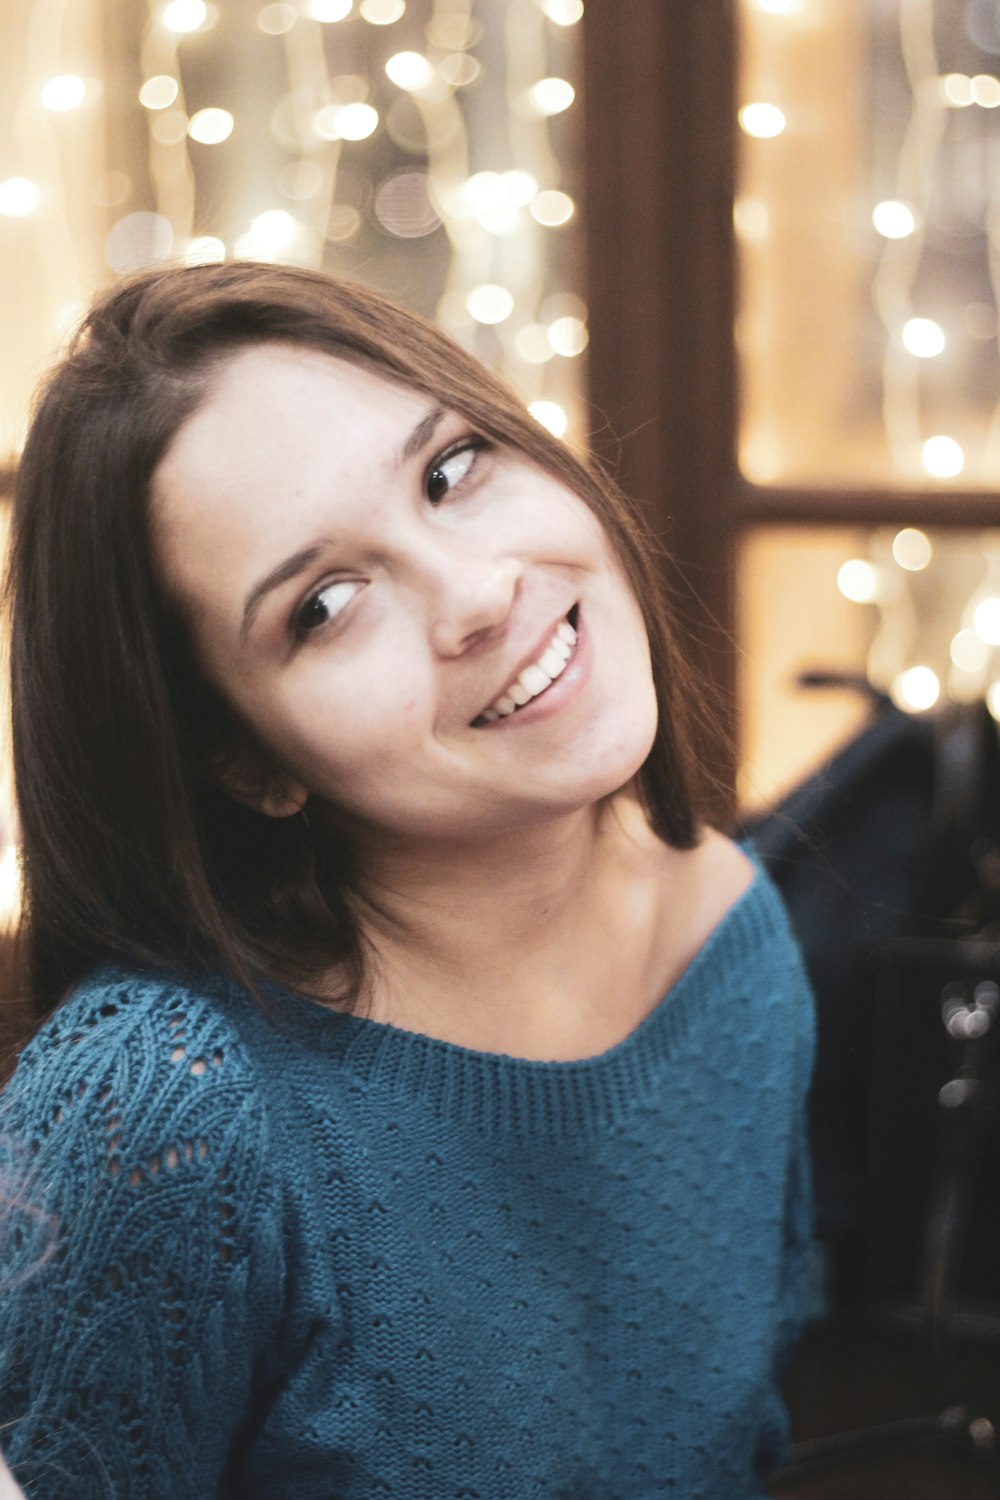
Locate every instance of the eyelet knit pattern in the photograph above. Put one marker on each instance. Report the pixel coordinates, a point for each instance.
(297, 1255)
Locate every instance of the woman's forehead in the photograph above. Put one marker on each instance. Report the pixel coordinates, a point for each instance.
(276, 404)
(285, 363)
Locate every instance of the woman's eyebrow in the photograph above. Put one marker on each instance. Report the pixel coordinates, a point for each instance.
(421, 434)
(297, 563)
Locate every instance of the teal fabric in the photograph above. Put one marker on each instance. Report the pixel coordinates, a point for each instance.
(300, 1256)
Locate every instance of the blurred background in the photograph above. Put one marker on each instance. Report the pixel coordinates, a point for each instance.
(746, 250)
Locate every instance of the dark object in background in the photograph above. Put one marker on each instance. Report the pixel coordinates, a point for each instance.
(896, 837)
(889, 862)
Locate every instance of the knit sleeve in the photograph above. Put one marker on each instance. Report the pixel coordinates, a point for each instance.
(140, 1254)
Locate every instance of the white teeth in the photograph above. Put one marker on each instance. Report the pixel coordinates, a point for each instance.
(535, 679)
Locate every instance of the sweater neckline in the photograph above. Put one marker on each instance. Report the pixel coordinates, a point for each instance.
(503, 1092)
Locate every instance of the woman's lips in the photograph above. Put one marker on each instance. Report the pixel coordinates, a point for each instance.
(537, 677)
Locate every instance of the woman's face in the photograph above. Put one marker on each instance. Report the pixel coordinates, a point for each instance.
(372, 587)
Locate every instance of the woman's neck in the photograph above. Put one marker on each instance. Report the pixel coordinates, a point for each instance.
(537, 943)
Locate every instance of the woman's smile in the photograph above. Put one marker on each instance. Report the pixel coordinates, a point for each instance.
(538, 676)
(368, 580)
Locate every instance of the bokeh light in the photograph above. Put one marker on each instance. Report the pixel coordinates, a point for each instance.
(63, 93)
(211, 126)
(19, 197)
(762, 120)
(159, 92)
(185, 15)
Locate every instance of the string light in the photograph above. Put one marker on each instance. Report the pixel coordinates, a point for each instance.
(894, 220)
(409, 70)
(552, 208)
(986, 90)
(271, 232)
(916, 690)
(18, 197)
(355, 122)
(923, 337)
(159, 92)
(943, 457)
(551, 415)
(563, 12)
(206, 250)
(329, 11)
(490, 303)
(568, 336)
(912, 549)
(858, 581)
(211, 126)
(551, 96)
(459, 69)
(498, 227)
(382, 12)
(957, 90)
(936, 206)
(64, 93)
(762, 120)
(517, 188)
(185, 15)
(986, 620)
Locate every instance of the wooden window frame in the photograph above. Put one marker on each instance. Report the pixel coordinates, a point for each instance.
(660, 141)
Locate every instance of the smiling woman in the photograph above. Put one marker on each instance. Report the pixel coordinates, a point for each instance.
(417, 1084)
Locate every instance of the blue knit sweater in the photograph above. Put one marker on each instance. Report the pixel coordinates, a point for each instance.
(304, 1256)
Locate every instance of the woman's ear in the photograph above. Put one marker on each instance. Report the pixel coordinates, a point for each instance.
(250, 778)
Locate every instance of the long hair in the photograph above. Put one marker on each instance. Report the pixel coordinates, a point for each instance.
(130, 851)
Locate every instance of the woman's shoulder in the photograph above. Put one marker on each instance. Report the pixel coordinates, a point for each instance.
(722, 873)
(142, 1248)
(698, 889)
(115, 1007)
(140, 1062)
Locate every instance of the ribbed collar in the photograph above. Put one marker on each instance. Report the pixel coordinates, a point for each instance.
(530, 1098)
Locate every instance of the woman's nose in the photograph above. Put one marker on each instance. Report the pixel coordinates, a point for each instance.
(473, 598)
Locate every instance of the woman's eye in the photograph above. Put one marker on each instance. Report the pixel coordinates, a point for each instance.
(451, 468)
(325, 605)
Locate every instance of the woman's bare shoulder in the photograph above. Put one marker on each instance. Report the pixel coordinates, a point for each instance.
(723, 871)
(698, 887)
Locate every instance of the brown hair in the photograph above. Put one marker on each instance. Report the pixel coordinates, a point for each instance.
(129, 852)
